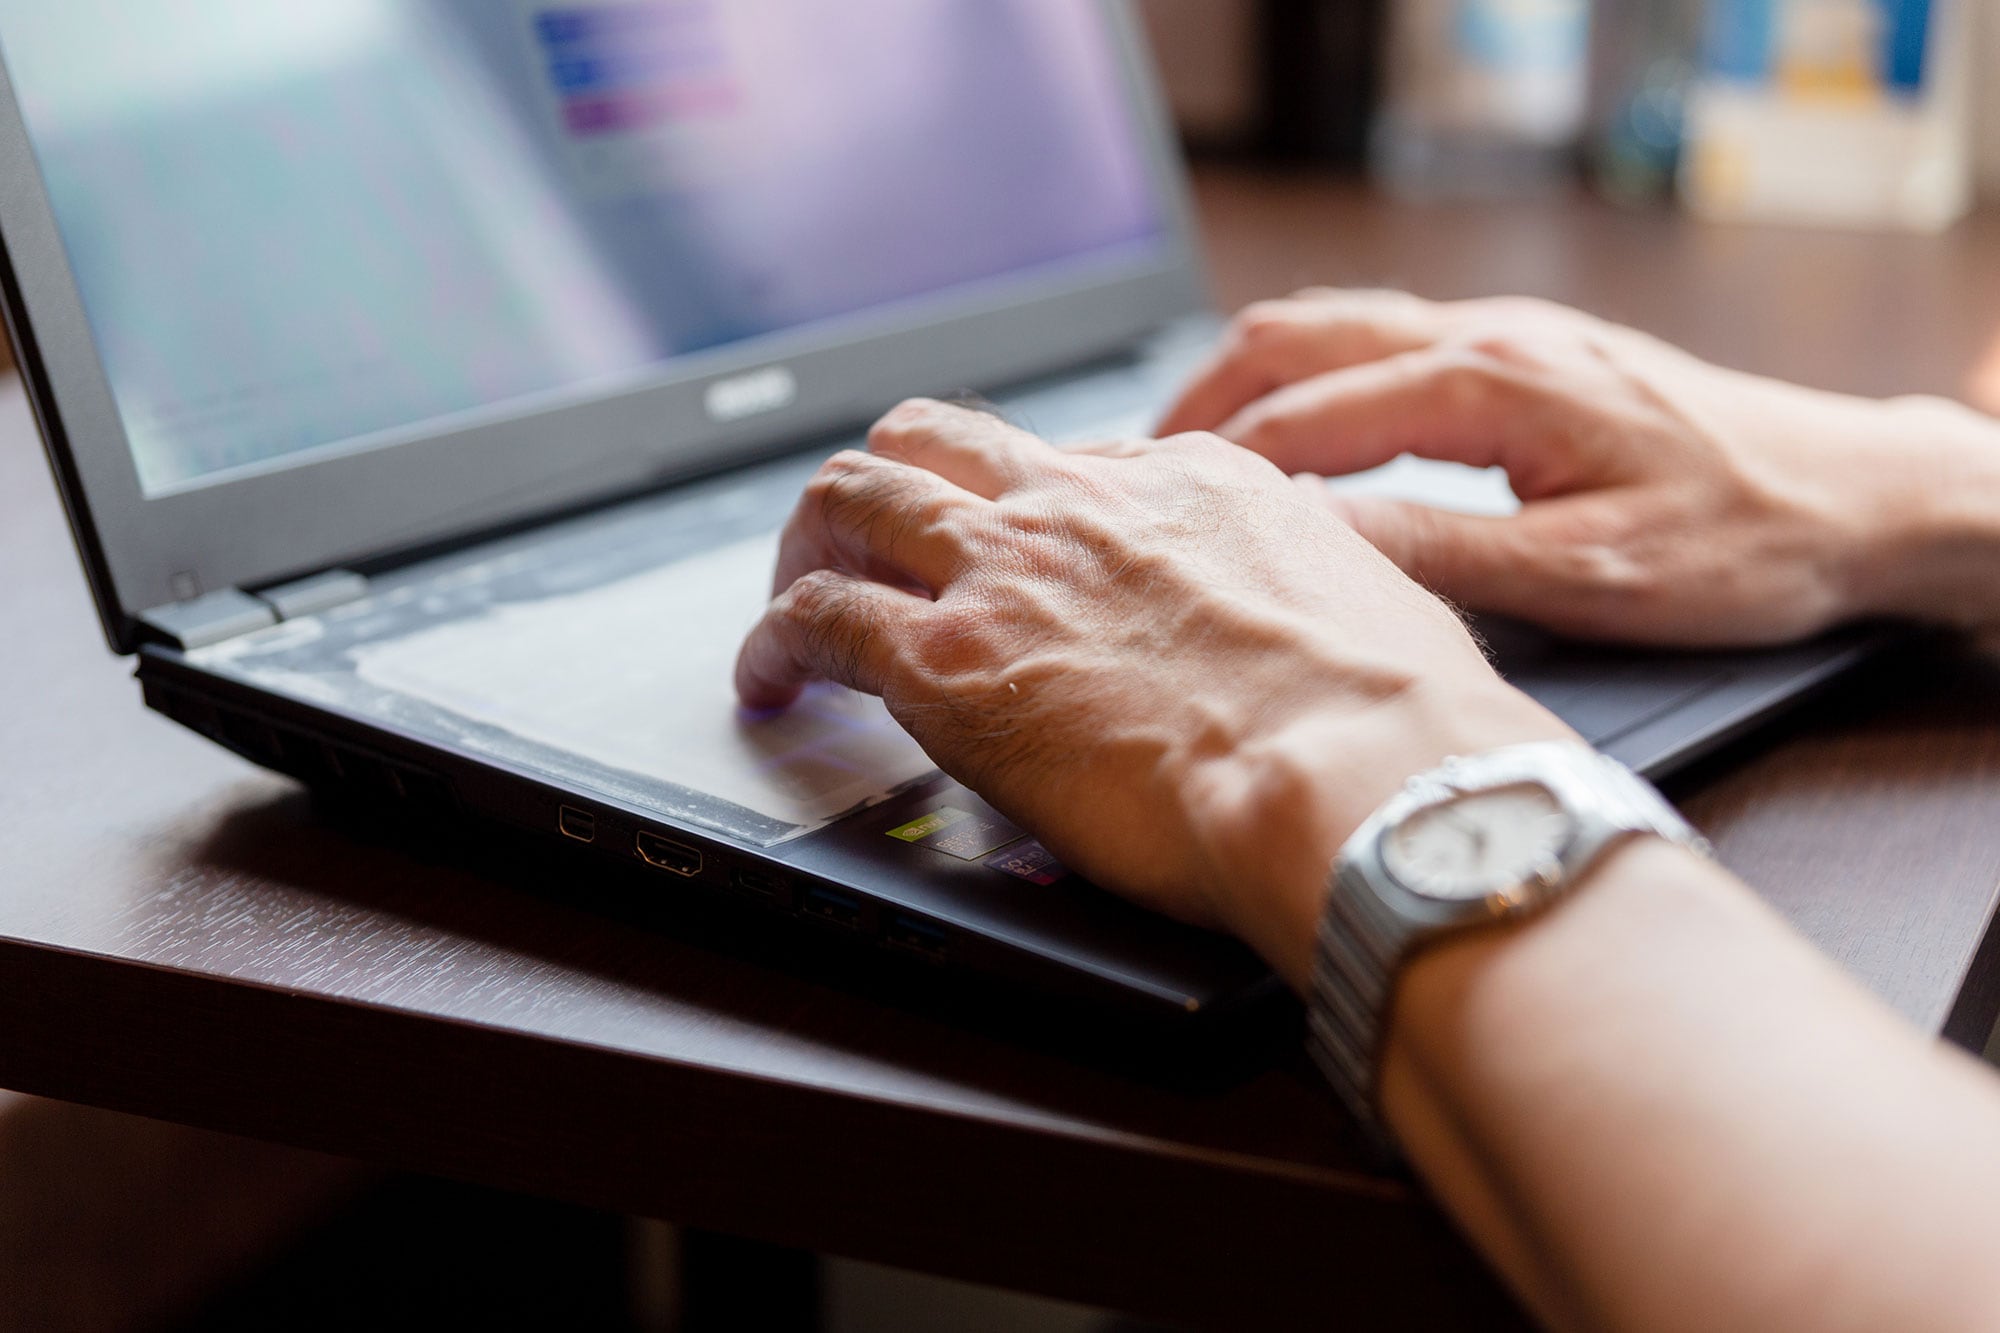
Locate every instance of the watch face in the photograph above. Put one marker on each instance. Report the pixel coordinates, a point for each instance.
(1478, 844)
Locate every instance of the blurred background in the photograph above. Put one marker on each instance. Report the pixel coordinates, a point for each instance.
(1853, 114)
(1856, 113)
(1859, 116)
(1591, 152)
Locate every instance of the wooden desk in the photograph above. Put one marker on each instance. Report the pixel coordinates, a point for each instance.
(180, 937)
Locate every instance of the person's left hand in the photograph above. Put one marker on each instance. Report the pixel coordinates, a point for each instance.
(1162, 659)
(1665, 500)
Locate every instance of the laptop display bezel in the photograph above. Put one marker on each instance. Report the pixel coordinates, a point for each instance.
(458, 479)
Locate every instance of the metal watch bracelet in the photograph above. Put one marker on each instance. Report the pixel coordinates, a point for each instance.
(1371, 923)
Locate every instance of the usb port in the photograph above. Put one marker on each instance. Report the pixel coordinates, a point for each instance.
(834, 907)
(762, 883)
(578, 824)
(666, 854)
(913, 936)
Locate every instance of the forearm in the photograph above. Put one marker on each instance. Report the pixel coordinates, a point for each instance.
(1657, 1108)
(1935, 549)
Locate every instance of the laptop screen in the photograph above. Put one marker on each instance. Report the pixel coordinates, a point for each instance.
(315, 225)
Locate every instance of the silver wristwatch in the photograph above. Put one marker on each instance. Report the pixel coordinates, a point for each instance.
(1477, 840)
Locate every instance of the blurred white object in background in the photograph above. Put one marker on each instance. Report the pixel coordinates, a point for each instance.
(1837, 112)
(1484, 97)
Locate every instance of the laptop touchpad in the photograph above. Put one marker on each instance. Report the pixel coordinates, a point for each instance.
(622, 684)
(637, 674)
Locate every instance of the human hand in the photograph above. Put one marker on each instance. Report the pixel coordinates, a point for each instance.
(1190, 682)
(1664, 500)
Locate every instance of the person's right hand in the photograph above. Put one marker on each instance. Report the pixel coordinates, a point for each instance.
(1664, 499)
(1188, 682)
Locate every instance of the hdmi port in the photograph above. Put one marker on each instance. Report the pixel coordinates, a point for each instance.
(666, 854)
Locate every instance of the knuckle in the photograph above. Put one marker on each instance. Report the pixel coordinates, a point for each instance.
(1183, 443)
(839, 484)
(1387, 301)
(846, 462)
(949, 633)
(858, 487)
(1605, 567)
(1256, 429)
(1191, 442)
(1258, 325)
(1465, 372)
(1368, 307)
(1610, 556)
(958, 543)
(959, 642)
(903, 425)
(819, 493)
(813, 600)
(1498, 348)
(1206, 461)
(837, 472)
(1130, 447)
(1208, 447)
(809, 614)
(908, 414)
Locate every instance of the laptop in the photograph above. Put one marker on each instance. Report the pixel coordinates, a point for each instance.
(425, 381)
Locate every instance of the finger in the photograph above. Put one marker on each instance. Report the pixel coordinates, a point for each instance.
(1438, 402)
(973, 449)
(1513, 566)
(879, 518)
(829, 625)
(1274, 343)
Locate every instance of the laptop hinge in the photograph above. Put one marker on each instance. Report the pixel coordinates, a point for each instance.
(228, 612)
(209, 618)
(310, 596)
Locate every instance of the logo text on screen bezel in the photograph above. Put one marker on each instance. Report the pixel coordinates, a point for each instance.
(766, 389)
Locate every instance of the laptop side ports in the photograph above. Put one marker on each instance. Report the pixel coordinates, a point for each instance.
(833, 908)
(758, 882)
(666, 854)
(578, 824)
(906, 934)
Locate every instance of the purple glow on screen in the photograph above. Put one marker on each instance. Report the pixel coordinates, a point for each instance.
(297, 225)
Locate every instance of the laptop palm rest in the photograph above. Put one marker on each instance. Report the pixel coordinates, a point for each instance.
(450, 669)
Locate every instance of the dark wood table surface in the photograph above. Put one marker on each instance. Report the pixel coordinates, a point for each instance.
(184, 937)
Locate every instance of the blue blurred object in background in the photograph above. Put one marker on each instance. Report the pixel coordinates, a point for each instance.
(1837, 112)
(1484, 97)
(1642, 62)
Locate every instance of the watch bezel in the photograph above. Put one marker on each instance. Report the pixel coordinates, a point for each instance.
(1545, 872)
(1593, 817)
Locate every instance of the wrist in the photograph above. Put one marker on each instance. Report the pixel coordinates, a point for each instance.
(1935, 541)
(1467, 1010)
(1276, 816)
